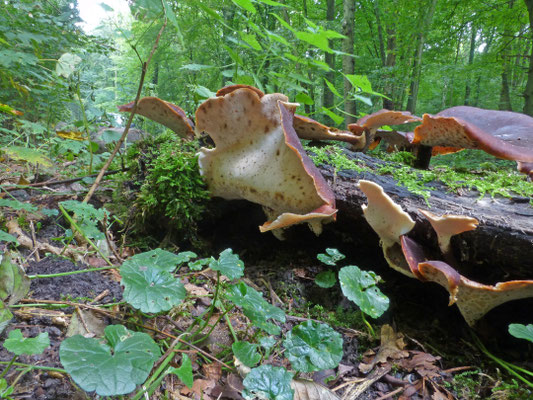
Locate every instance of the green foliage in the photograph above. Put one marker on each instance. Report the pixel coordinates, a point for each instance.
(18, 344)
(171, 185)
(13, 281)
(87, 217)
(326, 279)
(521, 331)
(268, 382)
(228, 264)
(331, 257)
(8, 238)
(361, 288)
(5, 316)
(109, 369)
(312, 346)
(184, 372)
(148, 283)
(5, 389)
(246, 353)
(255, 307)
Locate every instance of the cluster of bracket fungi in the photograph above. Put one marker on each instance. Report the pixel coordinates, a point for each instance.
(258, 156)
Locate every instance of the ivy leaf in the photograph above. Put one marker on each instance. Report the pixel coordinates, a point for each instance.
(326, 279)
(162, 259)
(522, 331)
(246, 352)
(331, 257)
(255, 307)
(184, 372)
(109, 369)
(246, 4)
(313, 346)
(268, 382)
(18, 344)
(148, 285)
(13, 281)
(228, 264)
(360, 287)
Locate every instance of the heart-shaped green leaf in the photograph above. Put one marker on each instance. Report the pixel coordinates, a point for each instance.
(255, 307)
(312, 346)
(18, 344)
(5, 316)
(522, 331)
(326, 279)
(162, 259)
(185, 371)
(228, 264)
(13, 281)
(246, 352)
(109, 369)
(360, 287)
(149, 286)
(268, 382)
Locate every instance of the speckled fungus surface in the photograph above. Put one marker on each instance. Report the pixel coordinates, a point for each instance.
(165, 113)
(259, 157)
(405, 255)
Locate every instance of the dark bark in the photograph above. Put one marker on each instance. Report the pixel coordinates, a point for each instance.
(505, 95)
(528, 92)
(348, 62)
(417, 63)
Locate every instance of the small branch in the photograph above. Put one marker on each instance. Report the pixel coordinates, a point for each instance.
(130, 119)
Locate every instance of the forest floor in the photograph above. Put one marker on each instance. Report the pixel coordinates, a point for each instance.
(419, 349)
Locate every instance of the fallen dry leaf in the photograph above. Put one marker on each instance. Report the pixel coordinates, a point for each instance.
(392, 346)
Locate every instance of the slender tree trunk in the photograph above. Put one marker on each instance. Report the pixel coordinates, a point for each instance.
(348, 62)
(417, 64)
(327, 96)
(390, 62)
(528, 92)
(380, 33)
(505, 96)
(470, 62)
(478, 81)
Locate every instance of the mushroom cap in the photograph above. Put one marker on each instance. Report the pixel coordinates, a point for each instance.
(448, 225)
(308, 128)
(231, 88)
(474, 299)
(383, 117)
(386, 217)
(259, 157)
(163, 112)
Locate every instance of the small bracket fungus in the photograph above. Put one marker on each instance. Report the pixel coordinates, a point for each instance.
(165, 113)
(447, 226)
(259, 157)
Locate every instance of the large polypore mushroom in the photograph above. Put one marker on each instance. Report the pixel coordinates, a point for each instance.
(259, 157)
(405, 255)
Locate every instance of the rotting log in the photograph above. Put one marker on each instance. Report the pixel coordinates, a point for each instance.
(501, 248)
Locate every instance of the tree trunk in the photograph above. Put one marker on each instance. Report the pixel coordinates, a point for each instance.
(389, 64)
(478, 81)
(327, 96)
(528, 92)
(415, 80)
(470, 62)
(348, 62)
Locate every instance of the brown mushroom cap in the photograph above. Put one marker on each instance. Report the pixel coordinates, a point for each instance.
(384, 117)
(308, 128)
(447, 226)
(231, 88)
(165, 113)
(259, 157)
(386, 217)
(474, 299)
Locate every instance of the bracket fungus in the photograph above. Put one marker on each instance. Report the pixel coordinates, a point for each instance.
(165, 113)
(258, 157)
(405, 255)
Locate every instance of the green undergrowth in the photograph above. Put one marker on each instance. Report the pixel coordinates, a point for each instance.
(469, 169)
(165, 183)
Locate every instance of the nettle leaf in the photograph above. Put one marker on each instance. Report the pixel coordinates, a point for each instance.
(13, 281)
(8, 238)
(336, 118)
(360, 287)
(319, 40)
(246, 352)
(331, 257)
(18, 344)
(148, 284)
(332, 88)
(268, 382)
(326, 279)
(313, 346)
(251, 40)
(109, 369)
(360, 81)
(304, 99)
(255, 307)
(32, 156)
(522, 331)
(185, 371)
(228, 264)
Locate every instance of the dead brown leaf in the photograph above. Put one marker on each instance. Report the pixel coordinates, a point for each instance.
(392, 347)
